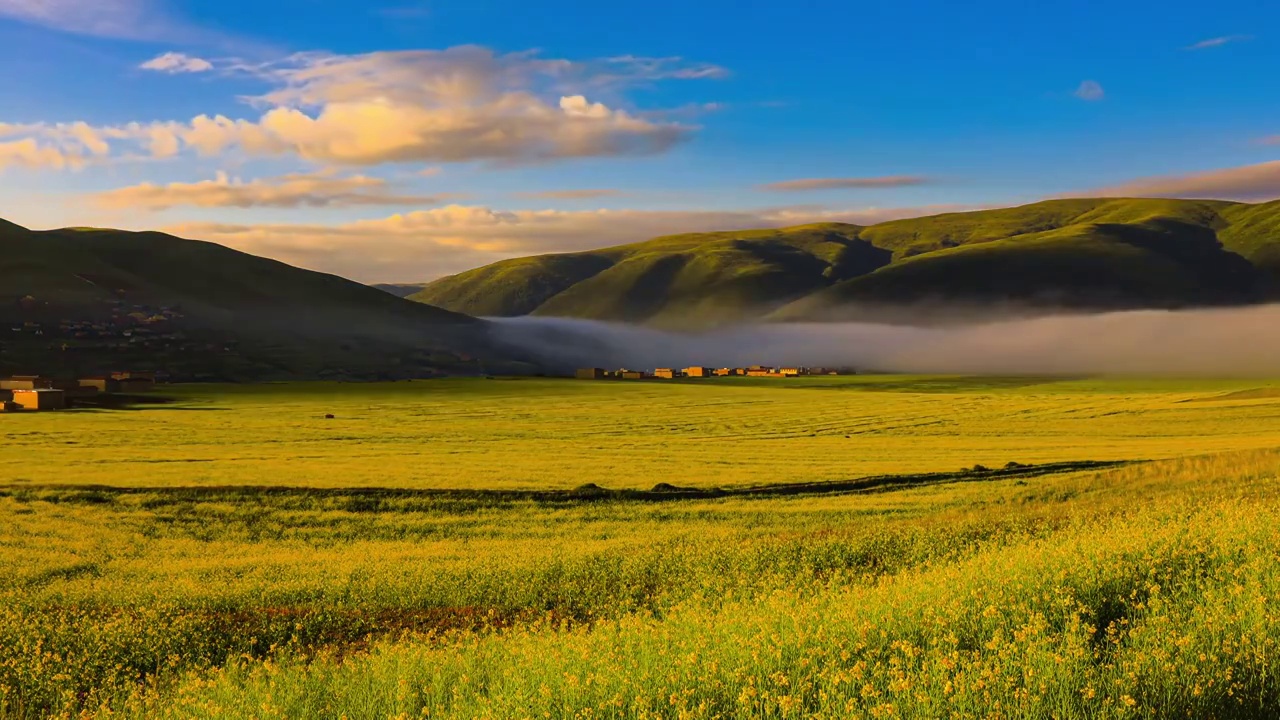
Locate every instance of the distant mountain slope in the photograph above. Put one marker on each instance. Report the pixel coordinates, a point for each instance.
(400, 289)
(697, 278)
(1083, 253)
(93, 300)
(1159, 264)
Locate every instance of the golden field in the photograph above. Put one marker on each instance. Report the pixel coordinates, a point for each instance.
(234, 554)
(541, 433)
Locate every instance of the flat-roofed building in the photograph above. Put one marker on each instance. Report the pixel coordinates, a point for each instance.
(698, 372)
(101, 383)
(133, 381)
(668, 373)
(26, 382)
(590, 374)
(40, 399)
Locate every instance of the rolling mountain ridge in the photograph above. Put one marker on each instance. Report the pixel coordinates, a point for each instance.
(87, 301)
(1080, 253)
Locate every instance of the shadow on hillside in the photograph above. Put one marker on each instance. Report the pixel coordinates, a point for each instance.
(369, 499)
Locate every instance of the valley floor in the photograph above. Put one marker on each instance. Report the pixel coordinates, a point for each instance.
(425, 553)
(546, 434)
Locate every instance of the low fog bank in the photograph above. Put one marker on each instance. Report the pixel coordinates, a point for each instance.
(1235, 341)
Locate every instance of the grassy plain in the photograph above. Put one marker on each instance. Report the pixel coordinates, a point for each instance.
(236, 555)
(545, 433)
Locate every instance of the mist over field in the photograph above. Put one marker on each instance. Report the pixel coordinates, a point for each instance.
(1234, 341)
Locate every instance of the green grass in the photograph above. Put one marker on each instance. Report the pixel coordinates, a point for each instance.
(236, 555)
(1083, 265)
(558, 434)
(1075, 253)
(697, 278)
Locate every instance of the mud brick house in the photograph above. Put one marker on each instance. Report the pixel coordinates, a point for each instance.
(40, 399)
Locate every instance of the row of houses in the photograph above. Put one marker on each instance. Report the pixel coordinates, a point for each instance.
(704, 372)
(37, 392)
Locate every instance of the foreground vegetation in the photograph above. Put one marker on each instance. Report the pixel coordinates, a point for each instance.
(1138, 590)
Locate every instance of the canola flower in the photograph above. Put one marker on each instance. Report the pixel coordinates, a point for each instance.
(1139, 592)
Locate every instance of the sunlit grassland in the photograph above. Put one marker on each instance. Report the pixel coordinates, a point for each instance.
(534, 433)
(1143, 590)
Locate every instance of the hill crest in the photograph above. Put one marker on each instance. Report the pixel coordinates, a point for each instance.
(1093, 253)
(85, 301)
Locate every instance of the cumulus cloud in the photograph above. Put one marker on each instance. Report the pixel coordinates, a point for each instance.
(583, 194)
(1090, 91)
(176, 63)
(426, 244)
(28, 153)
(1218, 42)
(51, 147)
(456, 105)
(323, 189)
(808, 184)
(1246, 183)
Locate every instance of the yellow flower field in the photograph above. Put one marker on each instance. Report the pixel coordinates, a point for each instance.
(234, 554)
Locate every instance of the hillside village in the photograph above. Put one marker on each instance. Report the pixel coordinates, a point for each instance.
(114, 328)
(706, 372)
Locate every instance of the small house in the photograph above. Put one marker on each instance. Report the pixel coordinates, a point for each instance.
(632, 374)
(590, 374)
(40, 399)
(133, 375)
(667, 373)
(26, 382)
(132, 381)
(791, 371)
(698, 372)
(101, 383)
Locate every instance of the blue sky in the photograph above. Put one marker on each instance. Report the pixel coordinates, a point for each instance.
(405, 139)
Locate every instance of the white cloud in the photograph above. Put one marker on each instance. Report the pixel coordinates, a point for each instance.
(456, 105)
(28, 153)
(1247, 183)
(1090, 91)
(322, 189)
(1218, 42)
(886, 181)
(426, 244)
(40, 146)
(120, 19)
(175, 63)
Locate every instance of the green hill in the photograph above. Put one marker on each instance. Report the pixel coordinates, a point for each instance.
(1079, 253)
(693, 279)
(88, 300)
